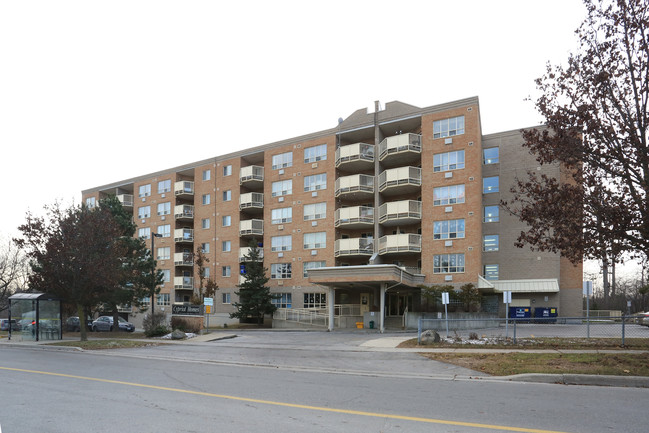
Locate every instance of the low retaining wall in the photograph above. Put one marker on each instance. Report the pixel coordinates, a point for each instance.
(460, 320)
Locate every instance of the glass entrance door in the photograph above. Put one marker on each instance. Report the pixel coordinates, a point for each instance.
(397, 303)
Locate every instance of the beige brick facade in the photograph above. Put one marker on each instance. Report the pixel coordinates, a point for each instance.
(349, 221)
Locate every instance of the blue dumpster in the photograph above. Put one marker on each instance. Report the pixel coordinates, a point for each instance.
(545, 315)
(520, 313)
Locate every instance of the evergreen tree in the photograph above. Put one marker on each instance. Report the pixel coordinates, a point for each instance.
(255, 299)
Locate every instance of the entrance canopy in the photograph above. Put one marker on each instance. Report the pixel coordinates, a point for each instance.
(364, 278)
(519, 286)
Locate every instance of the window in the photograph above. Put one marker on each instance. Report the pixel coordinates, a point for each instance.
(227, 195)
(315, 153)
(448, 263)
(280, 271)
(448, 161)
(282, 300)
(315, 240)
(166, 275)
(163, 299)
(491, 272)
(490, 243)
(282, 187)
(207, 198)
(281, 243)
(445, 195)
(490, 184)
(164, 208)
(145, 301)
(164, 186)
(207, 174)
(226, 220)
(206, 272)
(491, 214)
(490, 156)
(226, 246)
(144, 233)
(315, 211)
(282, 215)
(144, 212)
(225, 298)
(315, 300)
(91, 202)
(164, 253)
(282, 160)
(227, 170)
(205, 247)
(312, 265)
(451, 229)
(165, 230)
(205, 223)
(448, 127)
(145, 190)
(315, 182)
(225, 271)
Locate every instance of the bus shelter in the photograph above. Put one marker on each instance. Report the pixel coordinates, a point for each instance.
(38, 316)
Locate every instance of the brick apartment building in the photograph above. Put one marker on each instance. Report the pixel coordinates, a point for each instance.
(360, 214)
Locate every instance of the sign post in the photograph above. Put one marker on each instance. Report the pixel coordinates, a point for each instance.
(507, 299)
(588, 292)
(208, 303)
(445, 300)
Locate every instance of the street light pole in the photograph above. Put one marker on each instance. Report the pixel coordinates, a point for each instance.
(153, 236)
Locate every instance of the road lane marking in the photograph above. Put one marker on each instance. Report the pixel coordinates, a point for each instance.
(291, 405)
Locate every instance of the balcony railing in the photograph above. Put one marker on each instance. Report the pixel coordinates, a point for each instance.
(354, 247)
(403, 211)
(184, 188)
(251, 173)
(251, 227)
(361, 153)
(184, 283)
(184, 212)
(125, 199)
(354, 183)
(245, 251)
(183, 235)
(401, 243)
(352, 216)
(254, 200)
(404, 143)
(400, 179)
(183, 259)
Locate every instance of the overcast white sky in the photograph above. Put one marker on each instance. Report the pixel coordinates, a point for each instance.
(93, 92)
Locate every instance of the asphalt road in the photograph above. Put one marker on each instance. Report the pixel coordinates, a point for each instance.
(289, 382)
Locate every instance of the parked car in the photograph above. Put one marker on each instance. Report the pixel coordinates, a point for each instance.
(4, 325)
(105, 323)
(643, 318)
(73, 325)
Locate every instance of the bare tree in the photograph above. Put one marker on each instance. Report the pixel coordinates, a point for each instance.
(14, 272)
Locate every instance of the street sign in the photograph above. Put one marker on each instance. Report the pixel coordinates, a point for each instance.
(445, 298)
(208, 301)
(588, 288)
(208, 309)
(507, 297)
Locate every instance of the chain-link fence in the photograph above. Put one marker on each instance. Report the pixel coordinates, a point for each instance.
(529, 328)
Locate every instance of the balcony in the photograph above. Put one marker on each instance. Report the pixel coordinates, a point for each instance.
(401, 180)
(252, 177)
(184, 212)
(252, 201)
(251, 227)
(244, 251)
(356, 185)
(354, 247)
(401, 212)
(401, 243)
(400, 150)
(183, 259)
(184, 235)
(125, 199)
(355, 217)
(355, 157)
(184, 189)
(184, 283)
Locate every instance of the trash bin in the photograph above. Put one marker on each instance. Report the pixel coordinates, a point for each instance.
(520, 313)
(545, 315)
(359, 325)
(371, 324)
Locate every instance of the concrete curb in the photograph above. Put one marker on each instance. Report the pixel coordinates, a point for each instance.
(579, 379)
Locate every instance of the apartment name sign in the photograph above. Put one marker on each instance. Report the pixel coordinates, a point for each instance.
(187, 310)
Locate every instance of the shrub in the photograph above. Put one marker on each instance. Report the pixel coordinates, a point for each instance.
(185, 325)
(154, 325)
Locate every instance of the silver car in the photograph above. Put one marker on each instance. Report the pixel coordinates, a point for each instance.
(105, 323)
